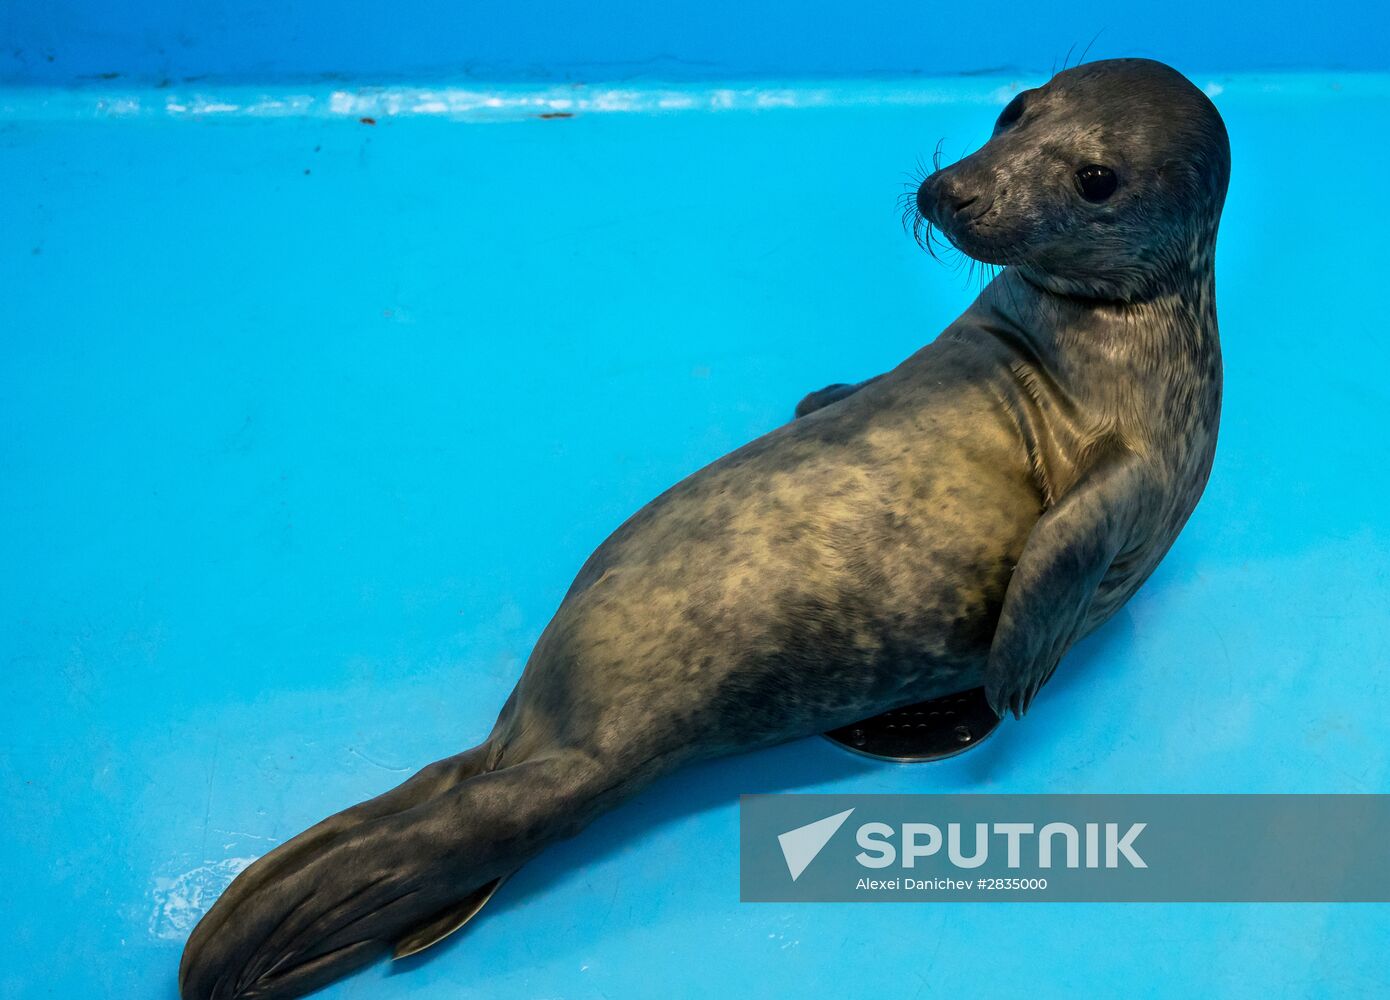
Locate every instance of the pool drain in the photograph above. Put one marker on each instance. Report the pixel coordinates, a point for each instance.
(928, 730)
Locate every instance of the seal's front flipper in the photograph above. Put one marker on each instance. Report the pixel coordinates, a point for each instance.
(1063, 562)
(813, 401)
(441, 925)
(822, 398)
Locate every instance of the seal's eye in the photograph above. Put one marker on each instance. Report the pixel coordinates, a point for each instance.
(1096, 183)
(1012, 113)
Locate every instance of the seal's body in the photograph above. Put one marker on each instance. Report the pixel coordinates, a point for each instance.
(958, 521)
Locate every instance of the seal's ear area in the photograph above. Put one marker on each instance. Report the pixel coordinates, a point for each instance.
(1182, 177)
(1198, 183)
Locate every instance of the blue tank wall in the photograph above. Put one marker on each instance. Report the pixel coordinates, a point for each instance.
(64, 41)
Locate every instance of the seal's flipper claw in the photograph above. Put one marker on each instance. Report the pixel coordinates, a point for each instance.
(995, 702)
(928, 730)
(441, 925)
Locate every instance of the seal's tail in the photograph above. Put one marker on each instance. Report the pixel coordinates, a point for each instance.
(396, 873)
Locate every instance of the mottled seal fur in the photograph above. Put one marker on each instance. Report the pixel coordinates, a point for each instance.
(958, 521)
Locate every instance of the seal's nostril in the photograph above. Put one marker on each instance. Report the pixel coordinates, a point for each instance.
(924, 198)
(941, 197)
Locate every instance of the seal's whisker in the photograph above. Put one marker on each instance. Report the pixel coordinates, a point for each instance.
(957, 257)
(909, 220)
(1088, 46)
(924, 233)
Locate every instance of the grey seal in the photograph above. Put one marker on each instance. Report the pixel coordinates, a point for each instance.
(958, 521)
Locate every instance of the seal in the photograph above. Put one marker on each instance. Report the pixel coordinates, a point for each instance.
(957, 522)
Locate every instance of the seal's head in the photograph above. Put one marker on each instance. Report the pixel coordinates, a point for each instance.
(1104, 183)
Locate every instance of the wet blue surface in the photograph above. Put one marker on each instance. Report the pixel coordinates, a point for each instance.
(308, 424)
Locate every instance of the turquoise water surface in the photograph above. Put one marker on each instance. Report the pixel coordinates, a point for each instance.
(308, 423)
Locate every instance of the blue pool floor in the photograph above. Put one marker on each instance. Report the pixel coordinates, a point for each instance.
(307, 424)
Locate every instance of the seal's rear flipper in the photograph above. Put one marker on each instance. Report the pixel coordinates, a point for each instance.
(441, 925)
(928, 730)
(395, 874)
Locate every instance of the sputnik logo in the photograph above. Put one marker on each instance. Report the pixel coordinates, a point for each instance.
(800, 846)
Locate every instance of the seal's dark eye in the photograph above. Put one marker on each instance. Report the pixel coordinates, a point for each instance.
(1096, 183)
(1012, 113)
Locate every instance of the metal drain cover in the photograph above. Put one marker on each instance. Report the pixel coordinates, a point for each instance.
(929, 730)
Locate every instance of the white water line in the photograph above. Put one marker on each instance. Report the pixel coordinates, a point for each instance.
(516, 102)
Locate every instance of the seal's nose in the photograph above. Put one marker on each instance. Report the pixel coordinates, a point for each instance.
(941, 196)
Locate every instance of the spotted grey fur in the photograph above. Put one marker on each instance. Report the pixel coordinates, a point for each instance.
(958, 521)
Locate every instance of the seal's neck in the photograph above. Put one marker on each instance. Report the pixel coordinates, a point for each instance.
(1071, 331)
